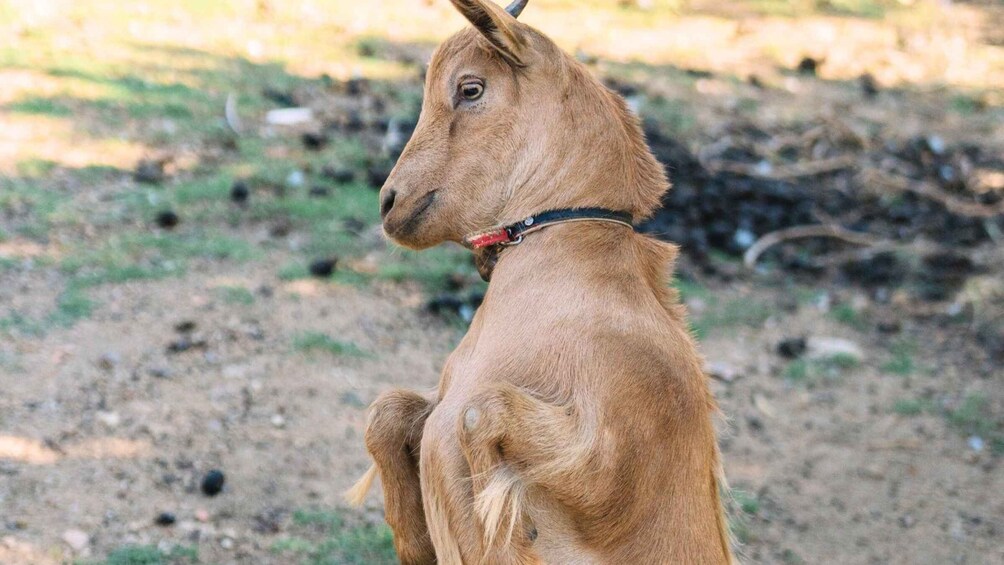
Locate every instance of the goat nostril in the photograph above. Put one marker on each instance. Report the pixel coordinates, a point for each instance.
(388, 202)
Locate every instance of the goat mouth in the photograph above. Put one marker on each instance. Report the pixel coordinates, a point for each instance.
(408, 225)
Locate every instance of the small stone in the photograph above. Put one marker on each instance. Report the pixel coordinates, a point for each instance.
(165, 519)
(296, 179)
(185, 326)
(907, 521)
(227, 543)
(212, 483)
(167, 219)
(976, 443)
(202, 515)
(278, 420)
(324, 268)
(76, 539)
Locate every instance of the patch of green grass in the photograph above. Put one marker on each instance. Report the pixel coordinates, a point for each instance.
(35, 168)
(432, 268)
(964, 104)
(341, 544)
(973, 417)
(148, 555)
(689, 290)
(293, 271)
(40, 106)
(902, 362)
(736, 312)
(151, 256)
(17, 323)
(236, 295)
(811, 371)
(32, 204)
(71, 306)
(847, 315)
(10, 362)
(317, 341)
(912, 406)
(672, 115)
(747, 501)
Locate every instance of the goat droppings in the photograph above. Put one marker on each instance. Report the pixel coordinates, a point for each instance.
(212, 483)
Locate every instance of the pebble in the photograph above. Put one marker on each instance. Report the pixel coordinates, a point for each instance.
(165, 519)
(76, 539)
(212, 483)
(278, 420)
(202, 515)
(907, 521)
(976, 443)
(296, 179)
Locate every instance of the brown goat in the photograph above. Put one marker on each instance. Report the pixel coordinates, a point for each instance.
(573, 423)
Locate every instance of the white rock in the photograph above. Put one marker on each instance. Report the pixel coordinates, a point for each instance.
(278, 420)
(76, 539)
(109, 419)
(976, 443)
(289, 116)
(829, 347)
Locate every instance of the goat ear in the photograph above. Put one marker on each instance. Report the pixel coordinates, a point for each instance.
(497, 25)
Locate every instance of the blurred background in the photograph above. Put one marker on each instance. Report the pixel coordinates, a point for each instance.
(197, 303)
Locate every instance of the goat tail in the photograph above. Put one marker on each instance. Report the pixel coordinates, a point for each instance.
(357, 492)
(501, 504)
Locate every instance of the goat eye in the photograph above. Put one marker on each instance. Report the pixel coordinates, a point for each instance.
(472, 90)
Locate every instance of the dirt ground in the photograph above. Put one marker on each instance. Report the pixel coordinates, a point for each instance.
(103, 429)
(137, 356)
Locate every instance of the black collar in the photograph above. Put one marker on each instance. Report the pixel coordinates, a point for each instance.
(487, 245)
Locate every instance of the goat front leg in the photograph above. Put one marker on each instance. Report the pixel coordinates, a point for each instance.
(393, 437)
(512, 440)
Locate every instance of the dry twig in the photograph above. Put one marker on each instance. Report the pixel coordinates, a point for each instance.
(800, 232)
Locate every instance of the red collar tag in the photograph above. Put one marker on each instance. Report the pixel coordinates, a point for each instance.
(487, 239)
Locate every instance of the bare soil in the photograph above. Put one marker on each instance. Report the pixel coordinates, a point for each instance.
(103, 429)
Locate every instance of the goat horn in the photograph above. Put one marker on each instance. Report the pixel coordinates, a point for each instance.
(516, 8)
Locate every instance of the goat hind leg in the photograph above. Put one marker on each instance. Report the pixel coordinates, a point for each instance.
(393, 437)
